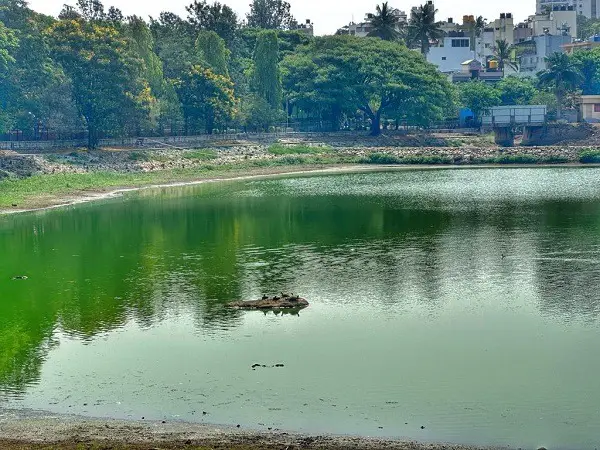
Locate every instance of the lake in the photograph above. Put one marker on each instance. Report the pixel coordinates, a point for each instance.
(466, 302)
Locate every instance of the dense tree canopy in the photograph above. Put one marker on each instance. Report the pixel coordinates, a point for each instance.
(344, 74)
(270, 15)
(92, 72)
(104, 72)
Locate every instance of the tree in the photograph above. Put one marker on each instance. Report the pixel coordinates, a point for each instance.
(104, 72)
(385, 23)
(207, 98)
(562, 76)
(516, 91)
(270, 15)
(422, 27)
(8, 43)
(345, 74)
(213, 17)
(588, 64)
(213, 52)
(503, 52)
(266, 78)
(174, 43)
(478, 97)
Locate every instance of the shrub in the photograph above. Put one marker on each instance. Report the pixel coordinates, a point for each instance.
(590, 157)
(201, 155)
(280, 150)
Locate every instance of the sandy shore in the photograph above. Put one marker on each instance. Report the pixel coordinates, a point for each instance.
(33, 430)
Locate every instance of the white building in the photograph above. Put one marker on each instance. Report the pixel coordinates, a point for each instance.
(363, 29)
(587, 8)
(533, 53)
(560, 21)
(451, 52)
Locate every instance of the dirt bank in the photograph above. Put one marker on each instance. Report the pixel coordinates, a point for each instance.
(19, 430)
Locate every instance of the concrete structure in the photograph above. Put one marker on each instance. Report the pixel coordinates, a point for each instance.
(522, 32)
(559, 21)
(533, 53)
(473, 69)
(307, 28)
(571, 48)
(590, 108)
(587, 8)
(451, 52)
(504, 119)
(363, 28)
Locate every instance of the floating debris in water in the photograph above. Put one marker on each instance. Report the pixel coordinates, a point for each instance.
(21, 277)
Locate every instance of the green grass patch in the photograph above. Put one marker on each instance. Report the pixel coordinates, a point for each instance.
(139, 156)
(201, 155)
(386, 159)
(43, 190)
(523, 159)
(590, 157)
(280, 149)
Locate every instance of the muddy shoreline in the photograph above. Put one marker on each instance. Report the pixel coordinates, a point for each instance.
(33, 430)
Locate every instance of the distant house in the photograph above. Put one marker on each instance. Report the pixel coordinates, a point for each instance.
(590, 108)
(451, 52)
(473, 69)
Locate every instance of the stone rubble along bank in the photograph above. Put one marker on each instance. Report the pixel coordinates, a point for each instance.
(22, 166)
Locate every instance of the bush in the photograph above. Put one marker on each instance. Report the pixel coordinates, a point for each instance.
(381, 158)
(201, 155)
(517, 159)
(385, 159)
(590, 157)
(139, 156)
(280, 150)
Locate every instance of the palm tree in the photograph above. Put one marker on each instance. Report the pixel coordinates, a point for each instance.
(423, 28)
(561, 76)
(476, 29)
(385, 24)
(503, 52)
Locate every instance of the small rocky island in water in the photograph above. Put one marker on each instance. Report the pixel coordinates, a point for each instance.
(278, 302)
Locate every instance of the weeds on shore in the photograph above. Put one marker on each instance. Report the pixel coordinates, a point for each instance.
(301, 149)
(591, 156)
(201, 155)
(387, 159)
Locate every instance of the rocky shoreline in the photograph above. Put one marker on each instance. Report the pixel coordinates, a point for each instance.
(14, 165)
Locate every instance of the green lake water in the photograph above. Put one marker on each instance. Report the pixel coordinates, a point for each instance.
(463, 301)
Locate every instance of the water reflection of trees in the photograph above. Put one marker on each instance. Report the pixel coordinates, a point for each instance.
(567, 263)
(94, 269)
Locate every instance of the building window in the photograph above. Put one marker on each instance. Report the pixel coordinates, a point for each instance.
(597, 107)
(462, 43)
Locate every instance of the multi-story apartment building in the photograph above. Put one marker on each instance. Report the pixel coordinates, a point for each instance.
(587, 8)
(363, 28)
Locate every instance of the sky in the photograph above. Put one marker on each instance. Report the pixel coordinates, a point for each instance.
(327, 15)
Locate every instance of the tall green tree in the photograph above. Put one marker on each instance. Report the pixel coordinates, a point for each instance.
(562, 76)
(207, 99)
(503, 53)
(104, 72)
(215, 17)
(385, 23)
(271, 15)
(516, 91)
(478, 96)
(588, 64)
(266, 77)
(8, 43)
(345, 74)
(422, 27)
(174, 43)
(213, 51)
